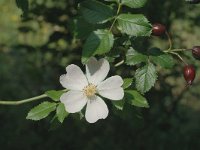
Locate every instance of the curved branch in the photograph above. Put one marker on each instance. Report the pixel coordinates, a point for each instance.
(23, 101)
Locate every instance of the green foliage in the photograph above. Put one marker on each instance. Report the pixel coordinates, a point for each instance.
(133, 57)
(134, 3)
(134, 24)
(145, 77)
(54, 95)
(61, 112)
(127, 83)
(41, 111)
(83, 28)
(135, 98)
(161, 58)
(23, 5)
(99, 42)
(95, 12)
(33, 57)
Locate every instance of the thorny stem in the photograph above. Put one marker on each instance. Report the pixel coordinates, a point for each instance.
(118, 10)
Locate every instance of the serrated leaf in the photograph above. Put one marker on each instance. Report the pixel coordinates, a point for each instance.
(134, 3)
(135, 98)
(95, 12)
(61, 112)
(134, 24)
(41, 111)
(127, 83)
(133, 57)
(99, 42)
(161, 58)
(119, 104)
(54, 95)
(145, 77)
(82, 28)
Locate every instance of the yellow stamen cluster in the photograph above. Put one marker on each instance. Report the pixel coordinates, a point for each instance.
(90, 90)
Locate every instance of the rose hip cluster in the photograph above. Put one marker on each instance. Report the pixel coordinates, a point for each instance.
(188, 70)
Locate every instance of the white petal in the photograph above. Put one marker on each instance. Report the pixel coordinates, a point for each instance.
(96, 71)
(74, 101)
(96, 109)
(113, 94)
(111, 83)
(74, 79)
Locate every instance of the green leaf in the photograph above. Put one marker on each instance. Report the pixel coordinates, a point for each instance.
(127, 83)
(99, 42)
(134, 24)
(135, 98)
(95, 12)
(23, 5)
(133, 57)
(61, 112)
(82, 28)
(119, 104)
(54, 95)
(161, 58)
(41, 111)
(134, 3)
(145, 77)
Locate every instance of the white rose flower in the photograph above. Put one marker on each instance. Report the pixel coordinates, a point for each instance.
(85, 89)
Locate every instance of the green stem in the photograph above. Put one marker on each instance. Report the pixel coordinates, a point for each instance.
(175, 50)
(118, 10)
(23, 101)
(26, 100)
(174, 53)
(169, 40)
(119, 63)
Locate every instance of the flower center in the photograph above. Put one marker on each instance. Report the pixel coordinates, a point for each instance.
(90, 90)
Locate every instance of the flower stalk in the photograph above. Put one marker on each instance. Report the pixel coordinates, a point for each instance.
(169, 40)
(28, 100)
(23, 101)
(174, 53)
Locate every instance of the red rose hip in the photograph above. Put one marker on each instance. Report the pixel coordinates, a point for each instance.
(196, 52)
(189, 74)
(158, 29)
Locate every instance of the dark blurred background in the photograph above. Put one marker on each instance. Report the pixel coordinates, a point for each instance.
(34, 52)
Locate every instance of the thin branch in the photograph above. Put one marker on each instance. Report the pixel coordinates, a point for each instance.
(19, 102)
(179, 57)
(23, 101)
(118, 10)
(119, 63)
(169, 40)
(175, 50)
